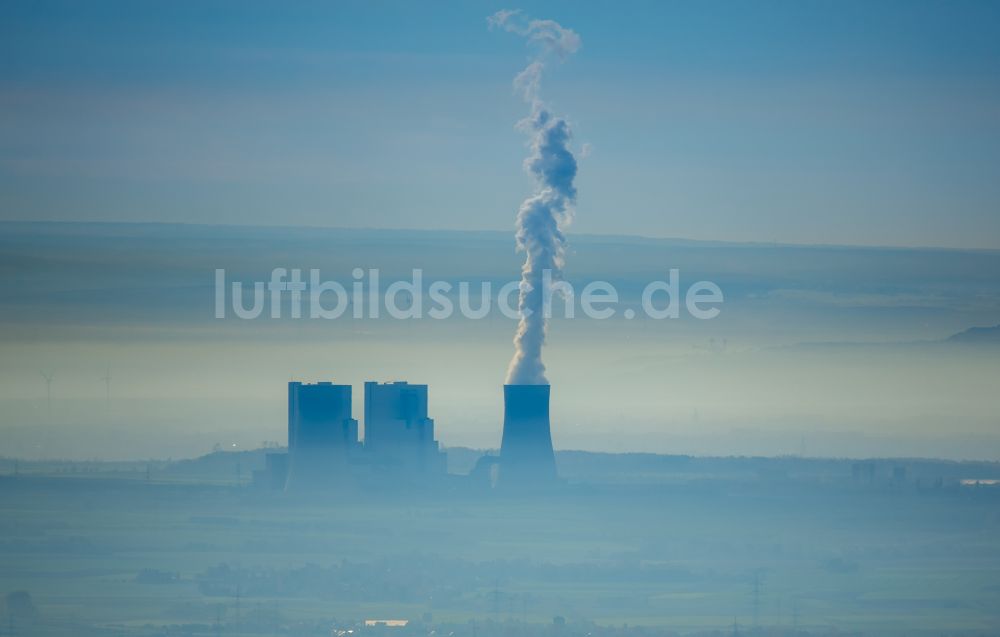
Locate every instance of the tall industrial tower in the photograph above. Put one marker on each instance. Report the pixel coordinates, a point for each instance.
(526, 456)
(321, 433)
(398, 434)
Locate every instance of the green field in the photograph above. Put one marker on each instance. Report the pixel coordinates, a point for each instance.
(120, 555)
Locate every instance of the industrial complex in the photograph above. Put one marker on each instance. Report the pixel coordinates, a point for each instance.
(325, 450)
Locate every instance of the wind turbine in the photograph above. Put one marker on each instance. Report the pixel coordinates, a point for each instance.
(49, 377)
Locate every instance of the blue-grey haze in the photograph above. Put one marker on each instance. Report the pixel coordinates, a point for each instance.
(851, 122)
(842, 350)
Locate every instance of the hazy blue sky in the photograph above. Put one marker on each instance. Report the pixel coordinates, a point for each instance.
(843, 122)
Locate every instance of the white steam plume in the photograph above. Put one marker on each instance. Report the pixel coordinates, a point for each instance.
(544, 215)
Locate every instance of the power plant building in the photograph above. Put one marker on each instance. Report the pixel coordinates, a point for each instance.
(322, 435)
(398, 433)
(324, 448)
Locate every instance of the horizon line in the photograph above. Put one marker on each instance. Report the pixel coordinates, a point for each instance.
(496, 452)
(506, 233)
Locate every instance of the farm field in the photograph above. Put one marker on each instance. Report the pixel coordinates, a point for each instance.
(120, 554)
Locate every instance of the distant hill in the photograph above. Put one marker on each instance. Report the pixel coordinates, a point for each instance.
(978, 335)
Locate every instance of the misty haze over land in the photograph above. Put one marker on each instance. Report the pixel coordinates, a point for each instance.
(822, 350)
(276, 350)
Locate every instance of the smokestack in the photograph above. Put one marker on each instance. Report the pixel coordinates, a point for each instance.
(526, 456)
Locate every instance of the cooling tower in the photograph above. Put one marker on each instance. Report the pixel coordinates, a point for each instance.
(526, 457)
